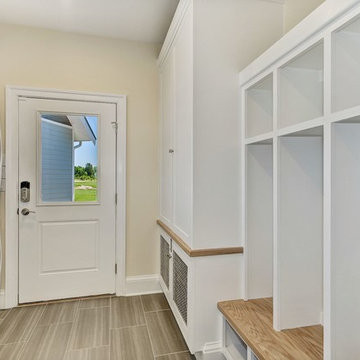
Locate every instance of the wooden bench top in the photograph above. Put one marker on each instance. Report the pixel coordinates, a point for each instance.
(199, 252)
(253, 322)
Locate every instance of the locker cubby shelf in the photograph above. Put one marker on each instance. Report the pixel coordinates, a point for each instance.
(259, 220)
(301, 87)
(234, 345)
(259, 107)
(315, 142)
(299, 243)
(345, 66)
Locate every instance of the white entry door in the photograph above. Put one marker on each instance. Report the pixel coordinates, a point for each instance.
(67, 168)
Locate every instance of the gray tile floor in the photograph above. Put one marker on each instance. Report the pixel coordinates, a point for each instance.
(109, 328)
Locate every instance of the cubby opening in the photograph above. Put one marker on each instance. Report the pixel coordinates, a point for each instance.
(299, 248)
(259, 107)
(259, 220)
(346, 66)
(234, 345)
(345, 235)
(301, 88)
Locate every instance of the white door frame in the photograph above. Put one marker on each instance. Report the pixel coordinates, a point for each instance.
(13, 94)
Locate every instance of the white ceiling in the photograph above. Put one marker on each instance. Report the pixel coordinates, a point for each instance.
(135, 20)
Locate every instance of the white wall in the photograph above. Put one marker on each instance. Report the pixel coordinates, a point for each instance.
(51, 59)
(296, 10)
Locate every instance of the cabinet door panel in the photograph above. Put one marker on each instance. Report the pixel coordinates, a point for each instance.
(183, 66)
(167, 116)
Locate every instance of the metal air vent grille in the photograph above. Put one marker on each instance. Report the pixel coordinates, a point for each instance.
(164, 261)
(180, 284)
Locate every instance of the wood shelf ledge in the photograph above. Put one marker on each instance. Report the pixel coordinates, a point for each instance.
(252, 320)
(198, 252)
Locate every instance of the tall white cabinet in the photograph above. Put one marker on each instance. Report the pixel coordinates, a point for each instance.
(208, 42)
(300, 170)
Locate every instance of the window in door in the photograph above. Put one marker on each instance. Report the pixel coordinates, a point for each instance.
(69, 158)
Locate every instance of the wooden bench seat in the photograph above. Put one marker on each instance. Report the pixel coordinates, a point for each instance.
(253, 322)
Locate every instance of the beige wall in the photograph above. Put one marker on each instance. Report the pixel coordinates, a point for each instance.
(296, 10)
(51, 59)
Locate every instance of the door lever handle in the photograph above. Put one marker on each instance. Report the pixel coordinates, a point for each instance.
(26, 212)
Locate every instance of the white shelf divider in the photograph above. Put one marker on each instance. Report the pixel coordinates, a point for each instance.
(264, 138)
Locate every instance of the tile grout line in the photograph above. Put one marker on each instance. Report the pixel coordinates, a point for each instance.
(129, 326)
(110, 337)
(173, 353)
(7, 314)
(110, 322)
(158, 310)
(147, 328)
(31, 333)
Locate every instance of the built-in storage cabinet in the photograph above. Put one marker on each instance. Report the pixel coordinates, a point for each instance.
(259, 220)
(299, 241)
(176, 129)
(195, 285)
(301, 175)
(259, 107)
(301, 87)
(199, 161)
(345, 66)
(199, 118)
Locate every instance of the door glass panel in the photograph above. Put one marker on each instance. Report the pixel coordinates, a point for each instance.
(69, 158)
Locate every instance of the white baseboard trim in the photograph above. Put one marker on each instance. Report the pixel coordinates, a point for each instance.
(214, 346)
(143, 284)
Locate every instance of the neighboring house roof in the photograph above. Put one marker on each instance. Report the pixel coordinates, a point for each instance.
(81, 127)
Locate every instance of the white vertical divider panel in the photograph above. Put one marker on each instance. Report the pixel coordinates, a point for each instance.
(345, 230)
(327, 243)
(243, 194)
(276, 319)
(327, 201)
(300, 231)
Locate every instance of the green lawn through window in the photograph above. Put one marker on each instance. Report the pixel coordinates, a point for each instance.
(85, 191)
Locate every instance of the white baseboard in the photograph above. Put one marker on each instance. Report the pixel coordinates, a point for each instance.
(144, 284)
(135, 285)
(214, 346)
(2, 299)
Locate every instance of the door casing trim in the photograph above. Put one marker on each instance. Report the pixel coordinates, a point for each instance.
(10, 255)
